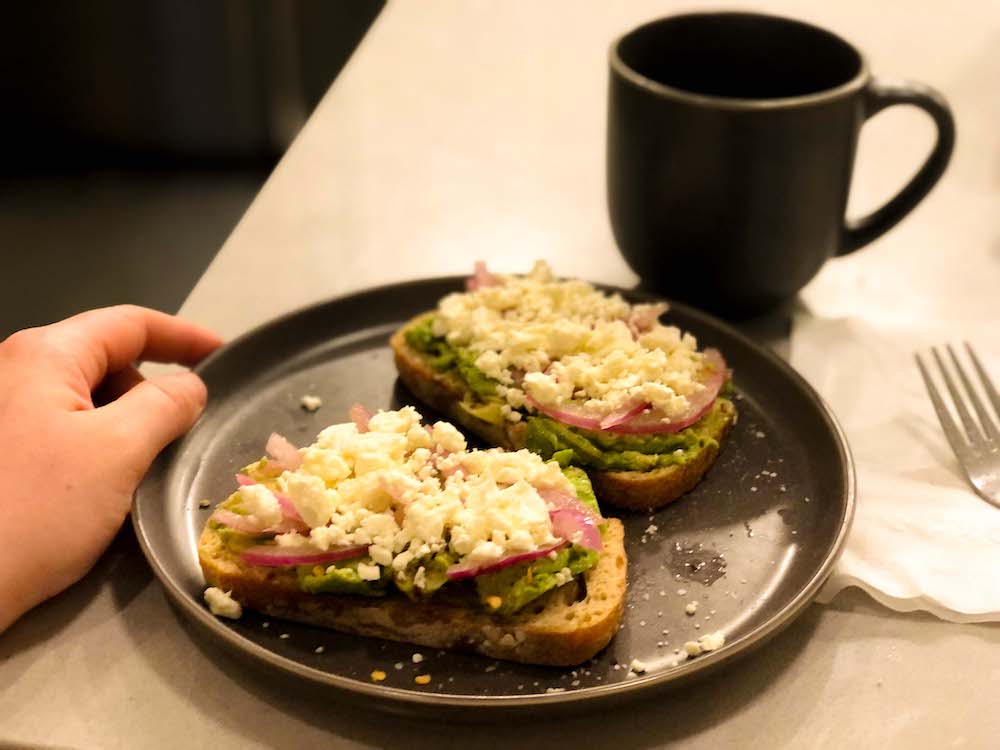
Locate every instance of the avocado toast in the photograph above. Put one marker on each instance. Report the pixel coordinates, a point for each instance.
(576, 376)
(386, 527)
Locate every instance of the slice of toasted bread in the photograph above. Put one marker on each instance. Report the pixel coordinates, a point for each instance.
(636, 490)
(564, 627)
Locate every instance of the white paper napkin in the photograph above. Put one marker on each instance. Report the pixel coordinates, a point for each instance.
(922, 539)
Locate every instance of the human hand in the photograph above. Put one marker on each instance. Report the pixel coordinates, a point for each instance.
(68, 464)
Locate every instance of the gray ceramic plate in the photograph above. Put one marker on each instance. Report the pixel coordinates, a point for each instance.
(751, 544)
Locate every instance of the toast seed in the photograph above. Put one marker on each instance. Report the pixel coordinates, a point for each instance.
(378, 675)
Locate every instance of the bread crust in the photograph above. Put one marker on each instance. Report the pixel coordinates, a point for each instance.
(564, 627)
(634, 490)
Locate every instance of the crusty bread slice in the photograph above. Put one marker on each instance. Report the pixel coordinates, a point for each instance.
(564, 627)
(638, 490)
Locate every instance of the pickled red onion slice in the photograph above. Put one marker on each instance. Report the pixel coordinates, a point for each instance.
(286, 456)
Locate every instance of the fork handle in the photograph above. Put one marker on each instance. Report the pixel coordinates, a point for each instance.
(883, 94)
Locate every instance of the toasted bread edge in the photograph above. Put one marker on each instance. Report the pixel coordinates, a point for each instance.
(559, 629)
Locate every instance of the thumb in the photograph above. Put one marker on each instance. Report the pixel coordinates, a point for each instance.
(155, 413)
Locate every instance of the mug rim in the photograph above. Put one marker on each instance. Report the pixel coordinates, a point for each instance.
(627, 73)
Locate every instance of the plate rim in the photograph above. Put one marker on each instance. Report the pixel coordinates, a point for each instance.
(400, 698)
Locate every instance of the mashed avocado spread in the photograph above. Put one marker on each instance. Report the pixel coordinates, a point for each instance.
(570, 446)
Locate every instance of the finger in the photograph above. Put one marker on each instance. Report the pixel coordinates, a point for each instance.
(117, 384)
(112, 338)
(153, 414)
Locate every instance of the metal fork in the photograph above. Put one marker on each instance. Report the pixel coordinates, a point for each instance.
(978, 451)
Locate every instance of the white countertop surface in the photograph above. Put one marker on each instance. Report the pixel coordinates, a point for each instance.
(466, 130)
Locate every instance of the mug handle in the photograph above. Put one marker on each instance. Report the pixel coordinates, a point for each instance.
(878, 96)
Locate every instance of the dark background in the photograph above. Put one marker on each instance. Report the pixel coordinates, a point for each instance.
(137, 133)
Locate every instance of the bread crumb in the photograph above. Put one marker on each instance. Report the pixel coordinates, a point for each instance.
(319, 649)
(378, 675)
(422, 679)
(575, 683)
(310, 403)
(637, 666)
(555, 690)
(265, 624)
(681, 592)
(645, 597)
(691, 608)
(398, 665)
(284, 636)
(417, 658)
(204, 503)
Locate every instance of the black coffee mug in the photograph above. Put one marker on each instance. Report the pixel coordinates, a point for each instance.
(731, 140)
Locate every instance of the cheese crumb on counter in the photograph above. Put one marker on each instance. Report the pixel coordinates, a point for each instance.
(637, 666)
(712, 641)
(310, 403)
(221, 604)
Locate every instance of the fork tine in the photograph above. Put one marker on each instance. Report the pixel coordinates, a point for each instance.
(971, 428)
(984, 416)
(951, 431)
(991, 392)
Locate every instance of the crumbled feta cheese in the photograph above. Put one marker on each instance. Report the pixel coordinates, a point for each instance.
(574, 343)
(310, 402)
(637, 666)
(692, 648)
(221, 604)
(712, 641)
(563, 576)
(407, 493)
(308, 493)
(260, 502)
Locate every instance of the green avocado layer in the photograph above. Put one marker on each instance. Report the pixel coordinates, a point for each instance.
(443, 356)
(342, 578)
(516, 585)
(522, 583)
(573, 446)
